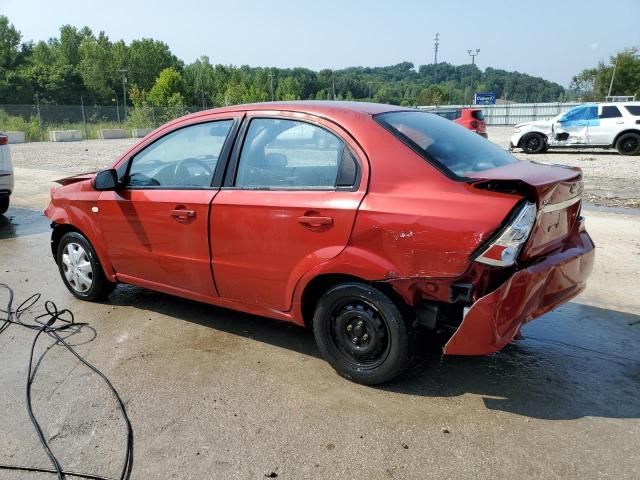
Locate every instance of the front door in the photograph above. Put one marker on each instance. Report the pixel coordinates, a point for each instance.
(156, 226)
(572, 127)
(289, 204)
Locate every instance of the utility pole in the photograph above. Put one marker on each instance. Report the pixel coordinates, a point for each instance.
(436, 44)
(271, 84)
(333, 83)
(124, 90)
(613, 75)
(204, 105)
(370, 83)
(473, 55)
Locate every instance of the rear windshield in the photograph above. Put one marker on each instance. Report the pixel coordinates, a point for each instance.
(450, 147)
(477, 114)
(448, 114)
(633, 110)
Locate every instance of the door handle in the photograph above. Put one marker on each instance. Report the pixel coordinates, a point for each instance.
(182, 214)
(315, 221)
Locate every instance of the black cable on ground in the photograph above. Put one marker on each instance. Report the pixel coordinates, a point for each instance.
(51, 323)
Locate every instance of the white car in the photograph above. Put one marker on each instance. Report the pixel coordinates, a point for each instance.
(593, 125)
(6, 173)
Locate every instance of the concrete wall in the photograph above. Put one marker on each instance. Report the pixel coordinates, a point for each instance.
(64, 135)
(110, 133)
(140, 132)
(15, 137)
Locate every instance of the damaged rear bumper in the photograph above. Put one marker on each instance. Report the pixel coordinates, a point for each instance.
(493, 321)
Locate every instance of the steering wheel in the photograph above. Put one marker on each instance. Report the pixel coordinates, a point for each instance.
(181, 172)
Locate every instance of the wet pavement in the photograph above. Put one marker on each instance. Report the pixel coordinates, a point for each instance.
(217, 394)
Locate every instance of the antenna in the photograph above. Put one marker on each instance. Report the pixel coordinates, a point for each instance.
(436, 44)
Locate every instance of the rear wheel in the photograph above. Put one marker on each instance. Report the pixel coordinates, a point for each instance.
(628, 144)
(533, 143)
(80, 268)
(362, 334)
(4, 204)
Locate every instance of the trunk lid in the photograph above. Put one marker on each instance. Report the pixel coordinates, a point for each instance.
(557, 192)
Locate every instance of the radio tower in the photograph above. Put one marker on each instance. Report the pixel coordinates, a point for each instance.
(436, 44)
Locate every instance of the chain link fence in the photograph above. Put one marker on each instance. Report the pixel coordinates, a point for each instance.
(513, 113)
(37, 122)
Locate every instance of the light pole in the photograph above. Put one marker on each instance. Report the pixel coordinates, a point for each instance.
(124, 90)
(115, 99)
(370, 84)
(473, 55)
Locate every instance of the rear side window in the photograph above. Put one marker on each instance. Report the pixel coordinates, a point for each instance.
(282, 154)
(477, 114)
(633, 110)
(453, 149)
(610, 112)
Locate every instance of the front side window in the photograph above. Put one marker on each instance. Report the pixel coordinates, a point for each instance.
(184, 158)
(454, 149)
(610, 112)
(583, 112)
(281, 154)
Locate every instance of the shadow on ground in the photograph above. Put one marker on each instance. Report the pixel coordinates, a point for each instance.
(574, 362)
(18, 221)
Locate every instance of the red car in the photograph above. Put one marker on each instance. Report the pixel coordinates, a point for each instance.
(366, 222)
(470, 118)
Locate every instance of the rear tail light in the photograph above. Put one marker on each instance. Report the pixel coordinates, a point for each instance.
(503, 250)
(4, 140)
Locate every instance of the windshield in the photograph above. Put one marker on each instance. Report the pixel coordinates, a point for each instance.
(450, 147)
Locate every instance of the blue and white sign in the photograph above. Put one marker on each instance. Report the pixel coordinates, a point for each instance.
(487, 98)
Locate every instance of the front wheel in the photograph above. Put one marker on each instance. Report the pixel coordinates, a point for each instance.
(362, 334)
(628, 144)
(4, 204)
(80, 268)
(533, 143)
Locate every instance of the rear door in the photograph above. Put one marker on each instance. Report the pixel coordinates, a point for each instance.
(289, 203)
(156, 228)
(611, 123)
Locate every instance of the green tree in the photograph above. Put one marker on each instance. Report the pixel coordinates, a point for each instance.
(432, 95)
(9, 42)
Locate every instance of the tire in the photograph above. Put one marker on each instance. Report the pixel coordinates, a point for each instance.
(381, 349)
(533, 143)
(628, 144)
(4, 204)
(80, 268)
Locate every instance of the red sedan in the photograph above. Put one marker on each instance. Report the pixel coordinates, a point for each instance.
(365, 222)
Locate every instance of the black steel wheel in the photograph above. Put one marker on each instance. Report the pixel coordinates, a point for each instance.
(628, 144)
(533, 143)
(4, 204)
(361, 333)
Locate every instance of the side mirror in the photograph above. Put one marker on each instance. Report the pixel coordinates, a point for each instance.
(106, 180)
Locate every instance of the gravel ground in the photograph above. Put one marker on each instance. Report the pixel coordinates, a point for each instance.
(611, 180)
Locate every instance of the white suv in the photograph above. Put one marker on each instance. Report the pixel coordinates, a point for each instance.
(6, 173)
(593, 125)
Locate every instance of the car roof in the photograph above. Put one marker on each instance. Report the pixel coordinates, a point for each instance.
(333, 110)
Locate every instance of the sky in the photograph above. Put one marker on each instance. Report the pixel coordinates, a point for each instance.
(547, 38)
